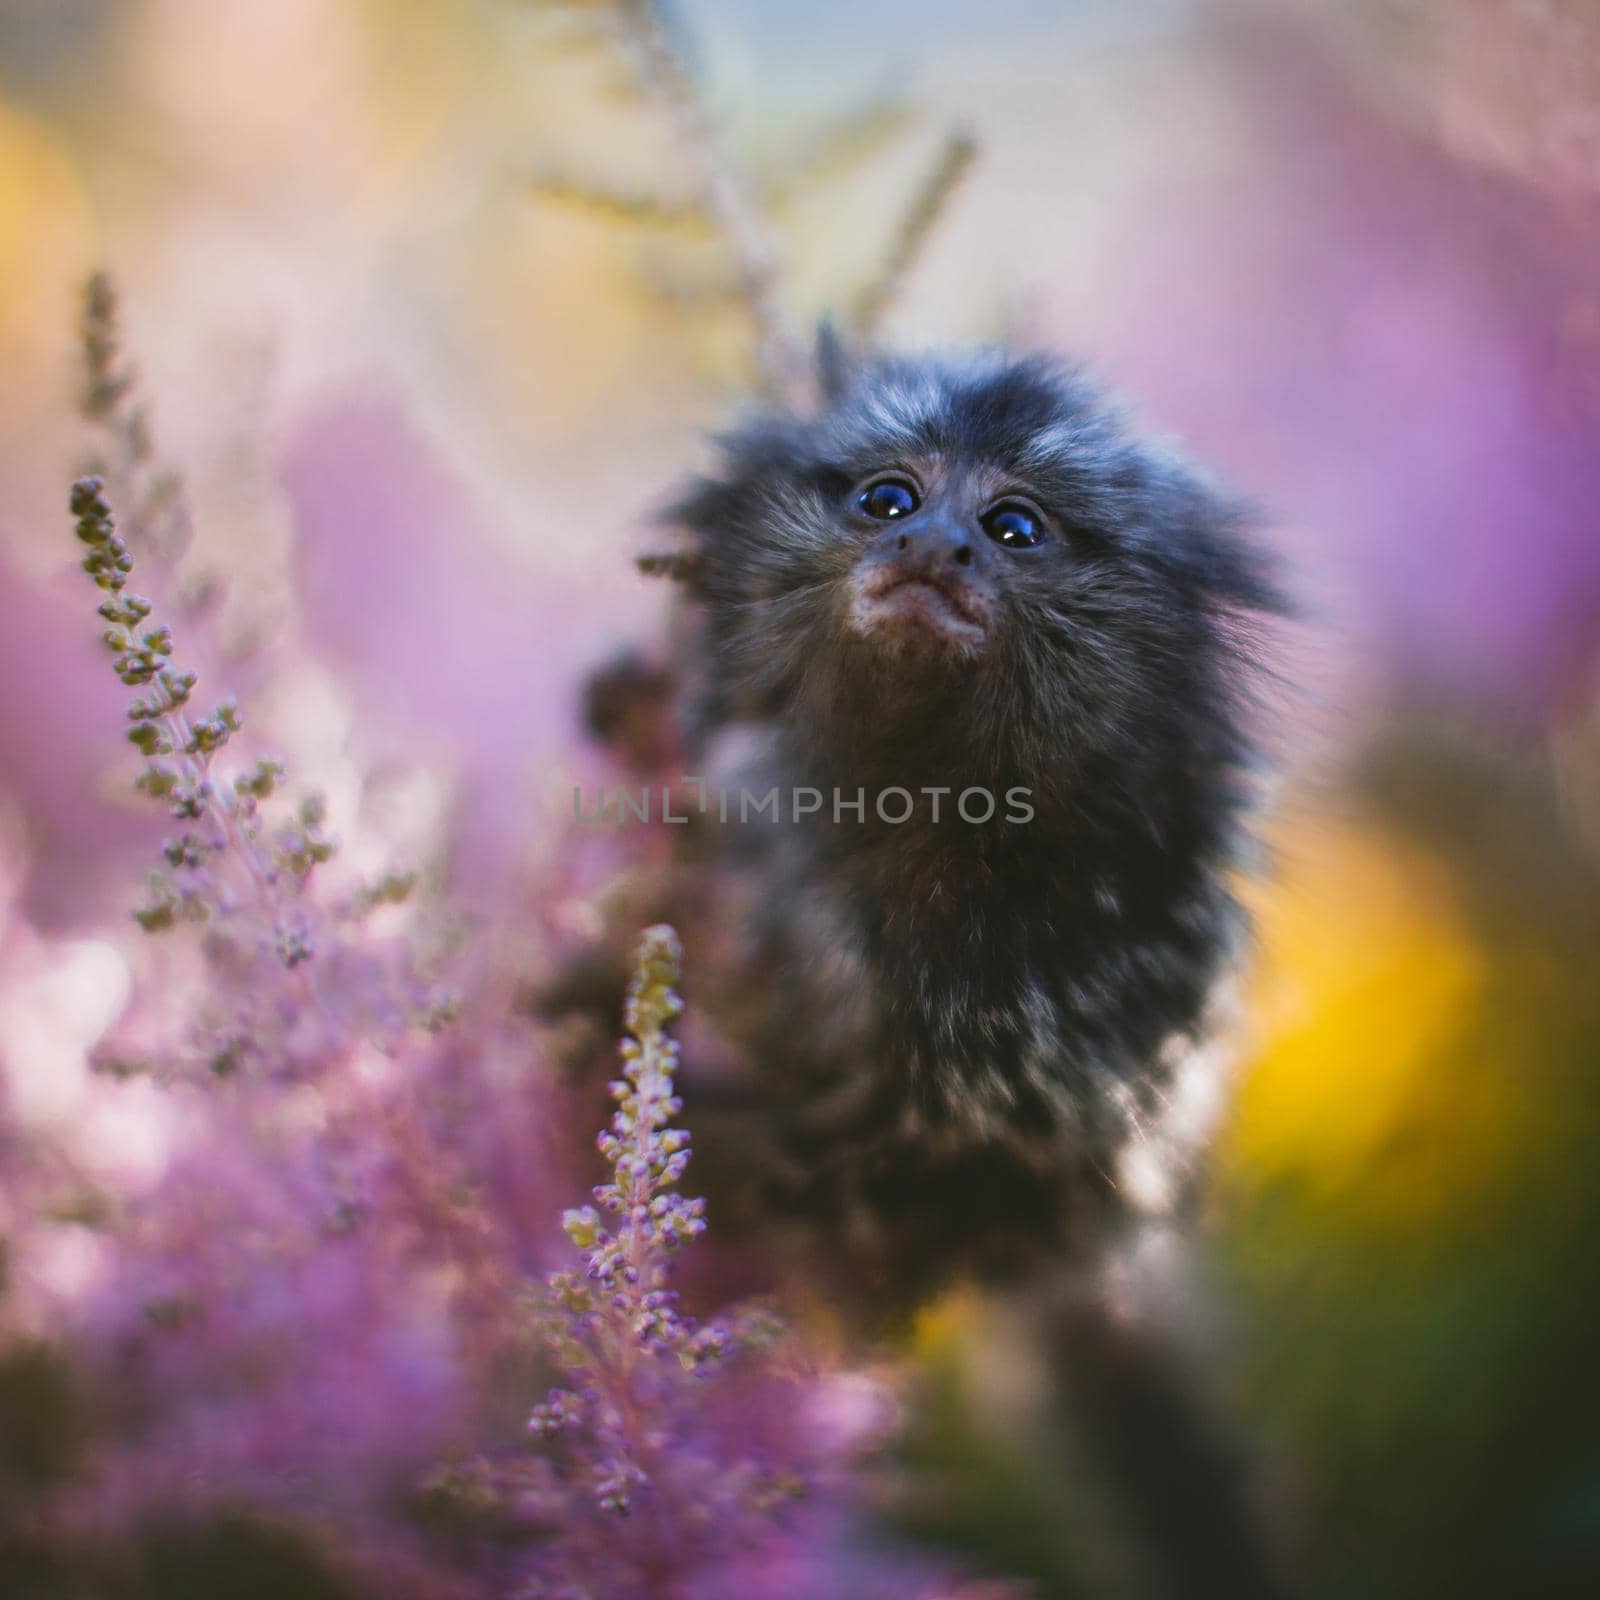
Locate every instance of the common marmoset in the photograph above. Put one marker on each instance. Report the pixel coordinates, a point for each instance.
(966, 584)
(995, 653)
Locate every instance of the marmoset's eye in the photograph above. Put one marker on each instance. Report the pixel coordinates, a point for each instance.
(1012, 524)
(888, 499)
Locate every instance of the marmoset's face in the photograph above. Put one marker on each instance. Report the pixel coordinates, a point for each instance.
(983, 535)
(934, 540)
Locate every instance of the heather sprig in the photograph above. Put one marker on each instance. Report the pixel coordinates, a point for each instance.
(228, 860)
(617, 1315)
(242, 862)
(674, 1450)
(295, 977)
(150, 493)
(219, 859)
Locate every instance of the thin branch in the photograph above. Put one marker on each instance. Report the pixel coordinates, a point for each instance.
(681, 566)
(727, 196)
(836, 149)
(916, 227)
(619, 205)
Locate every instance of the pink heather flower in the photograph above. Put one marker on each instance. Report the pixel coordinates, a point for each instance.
(291, 1230)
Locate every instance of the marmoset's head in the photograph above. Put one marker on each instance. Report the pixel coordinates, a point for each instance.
(980, 535)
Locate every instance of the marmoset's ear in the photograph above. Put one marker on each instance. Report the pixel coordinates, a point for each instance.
(835, 363)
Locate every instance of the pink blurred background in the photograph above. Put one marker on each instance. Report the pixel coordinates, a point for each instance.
(1349, 252)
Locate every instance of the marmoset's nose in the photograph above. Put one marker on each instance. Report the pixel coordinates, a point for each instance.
(935, 541)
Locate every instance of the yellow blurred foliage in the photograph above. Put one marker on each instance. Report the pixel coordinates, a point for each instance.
(45, 247)
(1369, 1086)
(426, 61)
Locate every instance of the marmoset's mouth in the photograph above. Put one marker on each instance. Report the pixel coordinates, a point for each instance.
(907, 606)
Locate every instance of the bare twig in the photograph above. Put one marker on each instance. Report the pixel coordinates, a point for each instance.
(732, 204)
(831, 153)
(727, 196)
(681, 566)
(619, 205)
(916, 226)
